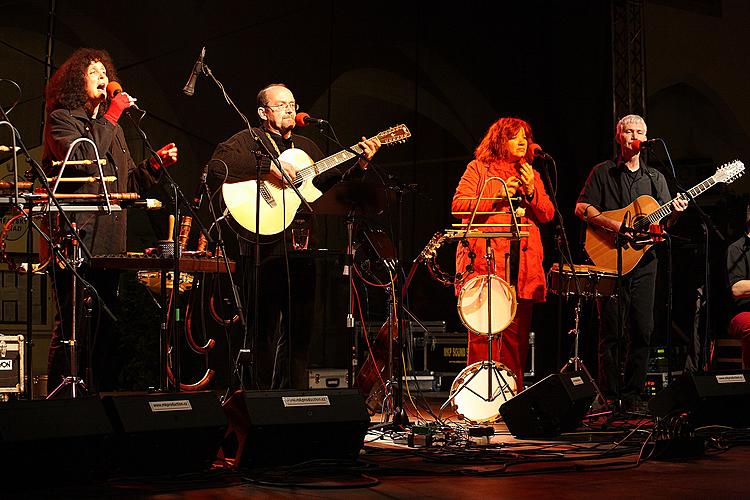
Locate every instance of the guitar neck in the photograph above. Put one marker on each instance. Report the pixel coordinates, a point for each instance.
(666, 209)
(328, 163)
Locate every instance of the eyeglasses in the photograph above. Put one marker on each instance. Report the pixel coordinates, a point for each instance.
(284, 105)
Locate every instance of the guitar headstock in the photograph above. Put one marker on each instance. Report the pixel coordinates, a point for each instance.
(394, 135)
(431, 248)
(729, 172)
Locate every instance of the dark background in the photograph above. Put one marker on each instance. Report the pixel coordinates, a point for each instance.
(447, 72)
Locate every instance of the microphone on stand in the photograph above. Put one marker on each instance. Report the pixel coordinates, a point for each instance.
(189, 88)
(114, 88)
(537, 151)
(638, 145)
(303, 120)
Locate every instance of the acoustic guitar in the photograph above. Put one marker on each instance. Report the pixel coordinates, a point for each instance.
(279, 202)
(601, 244)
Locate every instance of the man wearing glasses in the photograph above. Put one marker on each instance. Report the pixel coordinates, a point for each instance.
(235, 160)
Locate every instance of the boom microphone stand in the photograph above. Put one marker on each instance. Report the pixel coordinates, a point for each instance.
(179, 198)
(400, 417)
(706, 224)
(574, 362)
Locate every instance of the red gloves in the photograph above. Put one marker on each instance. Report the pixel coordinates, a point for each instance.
(118, 104)
(168, 155)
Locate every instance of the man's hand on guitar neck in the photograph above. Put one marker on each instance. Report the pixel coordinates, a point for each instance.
(369, 148)
(679, 204)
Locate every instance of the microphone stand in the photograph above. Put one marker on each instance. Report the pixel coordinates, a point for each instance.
(565, 254)
(620, 241)
(400, 417)
(174, 311)
(706, 224)
(256, 267)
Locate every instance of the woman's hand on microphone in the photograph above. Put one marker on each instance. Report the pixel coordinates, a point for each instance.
(117, 105)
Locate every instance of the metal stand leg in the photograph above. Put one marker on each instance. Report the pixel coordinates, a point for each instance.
(576, 363)
(73, 381)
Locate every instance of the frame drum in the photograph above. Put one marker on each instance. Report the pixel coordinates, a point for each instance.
(473, 305)
(469, 391)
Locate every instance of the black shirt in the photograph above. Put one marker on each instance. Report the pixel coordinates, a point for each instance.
(234, 159)
(101, 233)
(611, 186)
(738, 268)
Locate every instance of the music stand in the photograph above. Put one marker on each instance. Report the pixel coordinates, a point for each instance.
(351, 199)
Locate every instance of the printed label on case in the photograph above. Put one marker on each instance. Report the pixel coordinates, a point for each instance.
(290, 401)
(176, 405)
(576, 380)
(6, 364)
(735, 378)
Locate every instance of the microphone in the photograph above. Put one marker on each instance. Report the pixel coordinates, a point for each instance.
(638, 145)
(303, 119)
(114, 88)
(537, 151)
(189, 88)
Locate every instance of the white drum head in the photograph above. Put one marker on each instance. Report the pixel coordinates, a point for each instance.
(470, 395)
(474, 305)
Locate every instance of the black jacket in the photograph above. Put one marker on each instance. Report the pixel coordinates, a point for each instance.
(102, 233)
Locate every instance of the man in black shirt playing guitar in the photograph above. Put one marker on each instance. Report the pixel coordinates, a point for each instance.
(232, 169)
(609, 203)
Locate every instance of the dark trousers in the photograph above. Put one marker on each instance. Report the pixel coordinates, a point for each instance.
(95, 334)
(272, 342)
(638, 289)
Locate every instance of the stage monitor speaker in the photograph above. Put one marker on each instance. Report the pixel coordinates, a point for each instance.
(53, 440)
(289, 427)
(553, 405)
(719, 398)
(165, 432)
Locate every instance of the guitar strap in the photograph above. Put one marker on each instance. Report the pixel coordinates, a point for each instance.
(273, 143)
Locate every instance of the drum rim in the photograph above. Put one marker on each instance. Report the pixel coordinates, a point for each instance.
(513, 305)
(464, 373)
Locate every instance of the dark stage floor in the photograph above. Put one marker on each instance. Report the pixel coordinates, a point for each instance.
(606, 457)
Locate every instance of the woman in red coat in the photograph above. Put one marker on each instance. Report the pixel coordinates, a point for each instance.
(504, 152)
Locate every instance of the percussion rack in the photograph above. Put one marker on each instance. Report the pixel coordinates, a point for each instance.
(468, 230)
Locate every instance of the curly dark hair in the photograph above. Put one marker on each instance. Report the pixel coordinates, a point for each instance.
(67, 87)
(494, 145)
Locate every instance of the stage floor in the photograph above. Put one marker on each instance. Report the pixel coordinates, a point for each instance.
(606, 457)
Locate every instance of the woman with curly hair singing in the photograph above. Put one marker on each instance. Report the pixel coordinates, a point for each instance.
(504, 153)
(77, 106)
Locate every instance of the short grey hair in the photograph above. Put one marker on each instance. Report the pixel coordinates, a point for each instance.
(628, 119)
